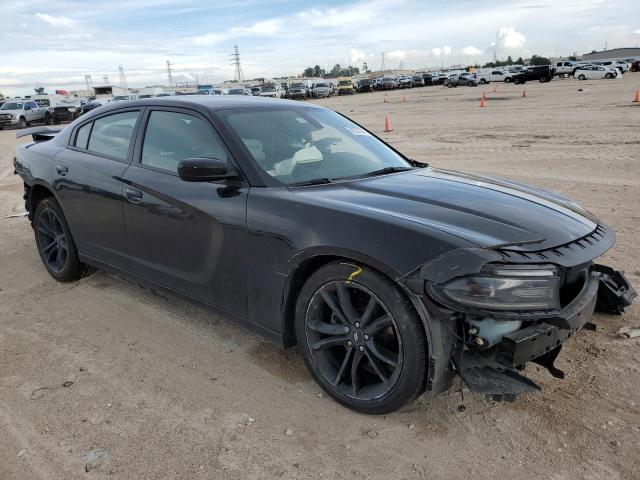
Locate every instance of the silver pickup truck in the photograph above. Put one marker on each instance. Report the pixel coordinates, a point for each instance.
(21, 113)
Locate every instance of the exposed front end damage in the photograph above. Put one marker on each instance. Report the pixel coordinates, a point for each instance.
(497, 309)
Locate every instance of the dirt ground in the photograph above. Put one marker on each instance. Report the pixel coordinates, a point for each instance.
(163, 388)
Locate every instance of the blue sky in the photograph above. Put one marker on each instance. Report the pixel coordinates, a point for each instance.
(56, 43)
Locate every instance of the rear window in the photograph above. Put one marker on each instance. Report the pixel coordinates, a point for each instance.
(111, 135)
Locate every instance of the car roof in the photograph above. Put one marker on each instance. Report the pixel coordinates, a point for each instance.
(211, 102)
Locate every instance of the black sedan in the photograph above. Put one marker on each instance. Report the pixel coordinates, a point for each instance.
(390, 276)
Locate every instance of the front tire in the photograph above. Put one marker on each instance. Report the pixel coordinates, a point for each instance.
(22, 122)
(360, 338)
(581, 77)
(55, 244)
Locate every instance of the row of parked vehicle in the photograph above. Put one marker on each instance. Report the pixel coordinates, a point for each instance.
(47, 109)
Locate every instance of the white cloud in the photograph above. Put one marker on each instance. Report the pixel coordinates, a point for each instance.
(397, 55)
(637, 31)
(471, 50)
(357, 56)
(266, 28)
(438, 52)
(57, 22)
(509, 38)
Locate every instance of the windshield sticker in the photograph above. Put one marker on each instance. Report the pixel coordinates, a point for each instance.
(357, 131)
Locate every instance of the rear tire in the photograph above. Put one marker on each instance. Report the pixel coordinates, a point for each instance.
(581, 77)
(361, 338)
(507, 80)
(608, 75)
(55, 244)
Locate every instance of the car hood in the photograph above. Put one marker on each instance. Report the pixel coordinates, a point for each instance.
(488, 212)
(13, 112)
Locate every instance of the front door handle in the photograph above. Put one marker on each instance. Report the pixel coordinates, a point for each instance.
(133, 196)
(62, 170)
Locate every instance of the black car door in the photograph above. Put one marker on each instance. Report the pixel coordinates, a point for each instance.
(186, 236)
(88, 183)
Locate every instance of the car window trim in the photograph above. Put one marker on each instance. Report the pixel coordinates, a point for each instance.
(137, 154)
(136, 126)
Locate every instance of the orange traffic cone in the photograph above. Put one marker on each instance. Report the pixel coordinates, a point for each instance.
(524, 93)
(482, 101)
(387, 124)
(636, 99)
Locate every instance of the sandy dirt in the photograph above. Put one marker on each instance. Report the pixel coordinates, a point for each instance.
(163, 388)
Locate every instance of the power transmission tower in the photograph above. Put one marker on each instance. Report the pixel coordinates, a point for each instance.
(382, 63)
(238, 75)
(105, 79)
(169, 74)
(88, 82)
(123, 79)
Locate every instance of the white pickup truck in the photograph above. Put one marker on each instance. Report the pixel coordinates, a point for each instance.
(22, 112)
(566, 67)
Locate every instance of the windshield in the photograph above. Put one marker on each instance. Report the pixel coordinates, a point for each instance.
(11, 106)
(236, 91)
(297, 85)
(322, 85)
(268, 88)
(344, 83)
(303, 144)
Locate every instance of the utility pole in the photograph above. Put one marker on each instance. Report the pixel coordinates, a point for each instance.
(238, 75)
(382, 64)
(123, 79)
(105, 79)
(88, 82)
(169, 74)
(495, 50)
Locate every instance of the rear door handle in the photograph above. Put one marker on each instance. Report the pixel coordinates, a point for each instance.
(133, 196)
(62, 169)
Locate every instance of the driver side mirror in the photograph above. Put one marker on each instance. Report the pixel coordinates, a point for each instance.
(205, 170)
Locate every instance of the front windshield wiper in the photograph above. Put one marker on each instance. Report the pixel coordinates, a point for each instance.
(313, 181)
(386, 170)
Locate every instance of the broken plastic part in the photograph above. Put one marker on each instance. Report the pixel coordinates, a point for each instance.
(614, 293)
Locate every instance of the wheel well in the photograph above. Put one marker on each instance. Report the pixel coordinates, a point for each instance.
(297, 281)
(33, 197)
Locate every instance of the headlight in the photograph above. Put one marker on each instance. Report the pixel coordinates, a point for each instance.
(505, 288)
(72, 109)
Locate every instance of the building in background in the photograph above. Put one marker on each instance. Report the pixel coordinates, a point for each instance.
(614, 54)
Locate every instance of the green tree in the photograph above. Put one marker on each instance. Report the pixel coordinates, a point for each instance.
(519, 61)
(308, 72)
(538, 60)
(39, 91)
(318, 71)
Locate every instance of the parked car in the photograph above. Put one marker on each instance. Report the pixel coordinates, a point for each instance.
(238, 91)
(273, 90)
(427, 79)
(405, 82)
(417, 80)
(500, 76)
(594, 72)
(312, 236)
(321, 90)
(255, 91)
(566, 67)
(542, 73)
(463, 80)
(345, 86)
(365, 85)
(21, 113)
(620, 66)
(298, 91)
(86, 108)
(387, 83)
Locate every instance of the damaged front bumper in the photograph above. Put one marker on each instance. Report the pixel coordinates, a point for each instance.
(489, 349)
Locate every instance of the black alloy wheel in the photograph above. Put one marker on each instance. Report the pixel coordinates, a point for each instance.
(51, 240)
(361, 339)
(55, 244)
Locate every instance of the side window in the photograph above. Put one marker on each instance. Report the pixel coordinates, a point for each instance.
(111, 135)
(82, 137)
(33, 104)
(173, 136)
